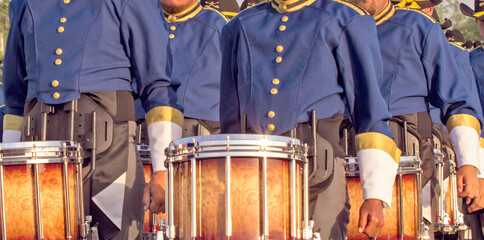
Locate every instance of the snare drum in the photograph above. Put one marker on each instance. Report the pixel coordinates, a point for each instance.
(151, 222)
(402, 220)
(41, 190)
(242, 186)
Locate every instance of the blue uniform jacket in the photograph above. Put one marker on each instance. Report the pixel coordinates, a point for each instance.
(58, 49)
(419, 66)
(462, 57)
(276, 68)
(195, 43)
(477, 63)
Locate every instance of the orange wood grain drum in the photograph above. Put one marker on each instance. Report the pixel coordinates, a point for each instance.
(150, 225)
(246, 187)
(18, 161)
(394, 218)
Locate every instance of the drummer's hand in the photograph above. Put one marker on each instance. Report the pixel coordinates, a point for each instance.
(467, 182)
(371, 217)
(154, 194)
(478, 202)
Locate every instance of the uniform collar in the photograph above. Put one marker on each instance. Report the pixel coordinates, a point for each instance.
(291, 5)
(190, 12)
(385, 14)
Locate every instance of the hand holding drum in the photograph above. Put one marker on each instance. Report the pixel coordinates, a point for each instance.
(467, 183)
(154, 193)
(371, 220)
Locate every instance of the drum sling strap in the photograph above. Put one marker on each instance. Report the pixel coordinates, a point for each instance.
(322, 137)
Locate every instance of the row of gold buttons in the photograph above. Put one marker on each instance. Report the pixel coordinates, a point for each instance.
(172, 28)
(58, 52)
(279, 49)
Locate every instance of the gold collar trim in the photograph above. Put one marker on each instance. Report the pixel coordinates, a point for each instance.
(387, 13)
(190, 12)
(291, 5)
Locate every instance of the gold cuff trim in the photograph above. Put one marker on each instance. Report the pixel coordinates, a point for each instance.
(12, 122)
(164, 113)
(190, 12)
(463, 120)
(481, 142)
(374, 140)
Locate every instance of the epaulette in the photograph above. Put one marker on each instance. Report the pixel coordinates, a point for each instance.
(217, 11)
(354, 6)
(416, 10)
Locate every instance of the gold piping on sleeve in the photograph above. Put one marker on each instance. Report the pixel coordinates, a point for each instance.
(463, 120)
(12, 122)
(374, 140)
(164, 113)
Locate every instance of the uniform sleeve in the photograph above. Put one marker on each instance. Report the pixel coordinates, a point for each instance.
(449, 92)
(146, 40)
(15, 88)
(229, 98)
(361, 68)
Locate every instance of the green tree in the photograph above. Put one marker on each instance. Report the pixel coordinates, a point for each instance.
(450, 9)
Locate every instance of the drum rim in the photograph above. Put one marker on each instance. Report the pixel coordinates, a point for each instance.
(37, 144)
(238, 136)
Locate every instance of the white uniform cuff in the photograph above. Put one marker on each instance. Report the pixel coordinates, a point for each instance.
(11, 136)
(161, 134)
(377, 173)
(465, 141)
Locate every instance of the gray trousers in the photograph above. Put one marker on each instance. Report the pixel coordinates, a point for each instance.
(116, 162)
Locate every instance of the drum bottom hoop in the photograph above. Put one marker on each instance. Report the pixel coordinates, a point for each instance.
(246, 191)
(391, 216)
(20, 201)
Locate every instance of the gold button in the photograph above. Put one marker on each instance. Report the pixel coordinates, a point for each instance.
(271, 127)
(271, 114)
(58, 61)
(284, 19)
(171, 36)
(276, 81)
(173, 28)
(58, 51)
(278, 59)
(56, 95)
(282, 28)
(279, 48)
(274, 91)
(67, 1)
(284, 7)
(63, 20)
(60, 29)
(55, 83)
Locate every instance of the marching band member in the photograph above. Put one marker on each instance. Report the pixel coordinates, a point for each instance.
(419, 69)
(67, 58)
(476, 61)
(284, 59)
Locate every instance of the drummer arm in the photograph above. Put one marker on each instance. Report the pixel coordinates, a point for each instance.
(164, 125)
(15, 86)
(378, 158)
(464, 130)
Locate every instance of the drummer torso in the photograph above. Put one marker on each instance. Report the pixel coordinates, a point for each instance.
(287, 63)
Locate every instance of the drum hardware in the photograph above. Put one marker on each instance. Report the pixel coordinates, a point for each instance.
(189, 152)
(399, 227)
(91, 144)
(315, 146)
(345, 141)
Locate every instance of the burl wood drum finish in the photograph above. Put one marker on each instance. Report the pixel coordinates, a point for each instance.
(246, 190)
(20, 201)
(148, 226)
(391, 216)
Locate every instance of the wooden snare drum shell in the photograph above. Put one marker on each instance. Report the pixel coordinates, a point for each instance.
(147, 169)
(246, 190)
(20, 201)
(392, 215)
